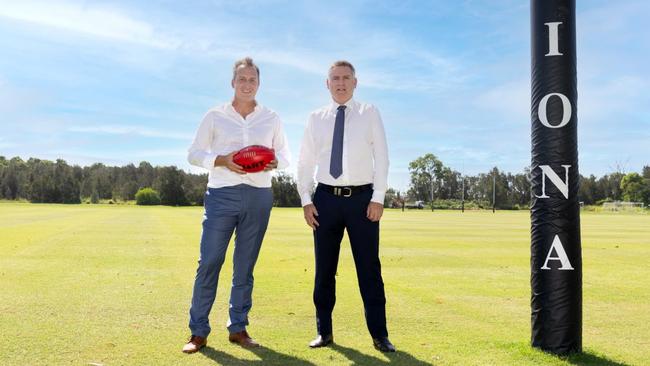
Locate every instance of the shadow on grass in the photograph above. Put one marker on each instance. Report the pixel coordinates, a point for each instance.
(267, 357)
(590, 359)
(397, 358)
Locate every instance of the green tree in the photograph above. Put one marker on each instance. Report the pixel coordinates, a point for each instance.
(94, 197)
(646, 182)
(634, 188)
(66, 187)
(146, 174)
(126, 183)
(147, 196)
(520, 188)
(588, 192)
(449, 185)
(195, 186)
(285, 190)
(610, 186)
(12, 178)
(499, 181)
(97, 180)
(426, 175)
(127, 190)
(41, 185)
(169, 183)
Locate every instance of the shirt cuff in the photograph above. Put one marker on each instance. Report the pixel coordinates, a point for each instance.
(208, 162)
(378, 196)
(305, 199)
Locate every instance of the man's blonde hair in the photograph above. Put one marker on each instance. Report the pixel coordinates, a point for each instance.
(246, 62)
(343, 63)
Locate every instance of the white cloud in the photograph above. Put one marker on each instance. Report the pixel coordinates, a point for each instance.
(100, 21)
(223, 40)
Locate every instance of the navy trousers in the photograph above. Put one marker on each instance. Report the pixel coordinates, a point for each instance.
(336, 214)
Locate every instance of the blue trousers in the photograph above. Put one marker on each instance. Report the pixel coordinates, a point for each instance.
(242, 209)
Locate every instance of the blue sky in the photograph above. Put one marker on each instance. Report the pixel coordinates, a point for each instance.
(121, 82)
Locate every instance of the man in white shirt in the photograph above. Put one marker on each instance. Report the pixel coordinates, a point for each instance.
(346, 143)
(234, 201)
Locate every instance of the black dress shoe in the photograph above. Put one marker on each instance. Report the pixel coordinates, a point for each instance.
(383, 344)
(322, 341)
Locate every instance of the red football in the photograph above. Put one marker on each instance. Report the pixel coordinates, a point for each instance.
(254, 158)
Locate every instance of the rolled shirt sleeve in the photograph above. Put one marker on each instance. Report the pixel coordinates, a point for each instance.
(199, 153)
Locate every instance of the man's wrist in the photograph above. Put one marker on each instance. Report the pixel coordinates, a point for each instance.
(219, 161)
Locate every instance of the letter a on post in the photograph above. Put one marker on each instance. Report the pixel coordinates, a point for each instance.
(561, 256)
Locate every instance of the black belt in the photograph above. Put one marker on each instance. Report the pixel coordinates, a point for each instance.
(344, 191)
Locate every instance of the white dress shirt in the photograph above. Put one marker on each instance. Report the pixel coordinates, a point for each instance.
(365, 152)
(223, 131)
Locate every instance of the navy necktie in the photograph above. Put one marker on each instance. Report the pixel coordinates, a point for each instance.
(336, 159)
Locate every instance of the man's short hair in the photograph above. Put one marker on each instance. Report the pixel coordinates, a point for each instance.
(246, 62)
(343, 63)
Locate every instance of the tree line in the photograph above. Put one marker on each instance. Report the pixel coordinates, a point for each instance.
(431, 181)
(44, 181)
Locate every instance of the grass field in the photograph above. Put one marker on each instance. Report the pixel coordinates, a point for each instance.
(110, 285)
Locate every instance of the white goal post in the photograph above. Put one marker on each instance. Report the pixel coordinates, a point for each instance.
(621, 205)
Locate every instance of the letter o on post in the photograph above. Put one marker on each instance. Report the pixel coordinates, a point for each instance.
(566, 110)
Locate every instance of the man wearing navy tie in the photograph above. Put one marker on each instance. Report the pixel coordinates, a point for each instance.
(345, 143)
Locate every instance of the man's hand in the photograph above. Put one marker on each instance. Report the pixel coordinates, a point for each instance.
(374, 212)
(226, 161)
(310, 215)
(271, 165)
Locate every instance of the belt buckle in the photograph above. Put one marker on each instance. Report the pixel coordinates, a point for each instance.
(349, 192)
(340, 191)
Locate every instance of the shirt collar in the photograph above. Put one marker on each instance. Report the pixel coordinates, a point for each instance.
(349, 105)
(230, 109)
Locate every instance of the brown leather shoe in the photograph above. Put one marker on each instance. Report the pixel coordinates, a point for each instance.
(243, 339)
(195, 344)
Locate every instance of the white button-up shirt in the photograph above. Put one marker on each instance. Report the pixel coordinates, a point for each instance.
(223, 131)
(365, 152)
